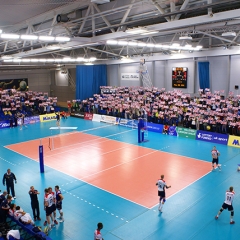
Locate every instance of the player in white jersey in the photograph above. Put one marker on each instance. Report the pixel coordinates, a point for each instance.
(215, 154)
(161, 192)
(53, 205)
(97, 232)
(228, 204)
(48, 203)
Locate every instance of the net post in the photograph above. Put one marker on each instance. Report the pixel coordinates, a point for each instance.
(140, 132)
(41, 160)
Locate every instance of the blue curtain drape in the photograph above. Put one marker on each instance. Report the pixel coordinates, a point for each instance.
(203, 74)
(89, 79)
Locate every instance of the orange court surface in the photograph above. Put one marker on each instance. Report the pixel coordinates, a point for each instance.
(126, 170)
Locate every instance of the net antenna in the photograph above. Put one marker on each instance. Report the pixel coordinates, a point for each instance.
(144, 74)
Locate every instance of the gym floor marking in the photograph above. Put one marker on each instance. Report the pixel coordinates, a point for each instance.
(126, 170)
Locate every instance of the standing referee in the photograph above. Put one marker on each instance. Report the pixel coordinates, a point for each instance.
(34, 203)
(9, 178)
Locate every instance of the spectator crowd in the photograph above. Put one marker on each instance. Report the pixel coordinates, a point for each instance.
(207, 111)
(29, 103)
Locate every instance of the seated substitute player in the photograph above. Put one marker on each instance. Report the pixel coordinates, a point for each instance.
(59, 198)
(228, 204)
(161, 192)
(215, 154)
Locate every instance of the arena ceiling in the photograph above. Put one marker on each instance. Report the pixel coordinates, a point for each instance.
(213, 24)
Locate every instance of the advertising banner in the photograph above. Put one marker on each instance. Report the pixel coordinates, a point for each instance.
(172, 131)
(33, 119)
(212, 137)
(78, 115)
(27, 120)
(127, 122)
(153, 127)
(47, 117)
(20, 84)
(234, 141)
(4, 124)
(88, 116)
(96, 118)
(130, 76)
(108, 119)
(186, 132)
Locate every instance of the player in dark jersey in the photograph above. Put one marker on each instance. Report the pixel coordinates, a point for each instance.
(58, 119)
(59, 198)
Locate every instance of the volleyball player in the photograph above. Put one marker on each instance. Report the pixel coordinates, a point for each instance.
(97, 232)
(229, 196)
(215, 154)
(58, 119)
(161, 192)
(53, 205)
(48, 201)
(59, 198)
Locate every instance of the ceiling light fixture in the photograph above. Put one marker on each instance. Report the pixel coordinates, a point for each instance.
(62, 39)
(9, 36)
(29, 37)
(46, 38)
(174, 46)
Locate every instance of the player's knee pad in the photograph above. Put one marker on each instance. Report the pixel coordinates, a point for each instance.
(221, 209)
(164, 200)
(60, 211)
(232, 213)
(160, 199)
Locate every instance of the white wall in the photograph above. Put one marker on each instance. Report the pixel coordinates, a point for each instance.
(234, 74)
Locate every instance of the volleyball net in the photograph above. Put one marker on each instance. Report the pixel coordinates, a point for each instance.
(55, 131)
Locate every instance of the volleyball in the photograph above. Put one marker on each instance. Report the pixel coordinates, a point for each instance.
(208, 128)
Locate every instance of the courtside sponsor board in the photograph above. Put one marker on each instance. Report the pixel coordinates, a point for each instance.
(47, 117)
(212, 137)
(234, 141)
(78, 115)
(128, 123)
(96, 118)
(108, 119)
(186, 132)
(33, 119)
(172, 131)
(5, 124)
(88, 116)
(153, 127)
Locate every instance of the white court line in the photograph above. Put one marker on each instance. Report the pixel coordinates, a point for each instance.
(97, 138)
(38, 139)
(82, 180)
(91, 146)
(184, 187)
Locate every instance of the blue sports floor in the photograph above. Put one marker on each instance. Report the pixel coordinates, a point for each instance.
(189, 214)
